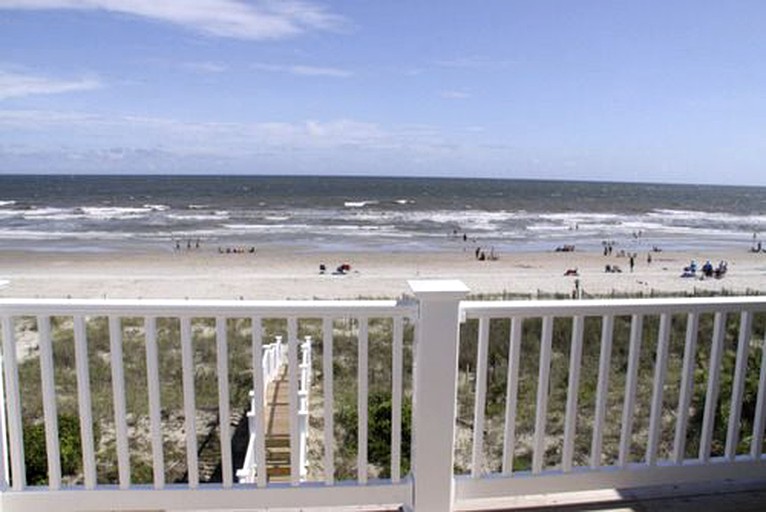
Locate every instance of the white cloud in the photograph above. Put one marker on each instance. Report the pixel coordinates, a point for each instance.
(56, 141)
(15, 84)
(454, 95)
(302, 70)
(206, 67)
(255, 20)
(319, 71)
(193, 136)
(88, 132)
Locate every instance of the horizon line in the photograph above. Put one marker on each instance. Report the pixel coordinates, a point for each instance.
(139, 174)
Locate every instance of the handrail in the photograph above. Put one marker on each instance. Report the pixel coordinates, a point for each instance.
(272, 360)
(205, 308)
(597, 307)
(655, 325)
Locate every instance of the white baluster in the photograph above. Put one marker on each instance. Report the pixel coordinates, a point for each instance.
(13, 404)
(49, 402)
(153, 386)
(257, 422)
(480, 402)
(363, 382)
(327, 369)
(118, 392)
(543, 382)
(738, 386)
(631, 382)
(602, 389)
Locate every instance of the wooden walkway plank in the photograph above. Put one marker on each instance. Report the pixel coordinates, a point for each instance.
(277, 429)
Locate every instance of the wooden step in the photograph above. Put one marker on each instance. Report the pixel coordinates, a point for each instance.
(277, 420)
(277, 442)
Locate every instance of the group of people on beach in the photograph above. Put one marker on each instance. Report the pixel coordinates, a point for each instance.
(237, 250)
(195, 244)
(479, 252)
(481, 255)
(341, 270)
(190, 244)
(707, 270)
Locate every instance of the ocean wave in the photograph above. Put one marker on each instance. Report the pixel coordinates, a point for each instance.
(580, 217)
(7, 203)
(698, 216)
(157, 207)
(48, 213)
(678, 213)
(220, 215)
(28, 234)
(113, 212)
(359, 204)
(7, 214)
(549, 228)
(289, 228)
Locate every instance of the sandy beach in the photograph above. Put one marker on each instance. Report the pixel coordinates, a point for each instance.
(274, 273)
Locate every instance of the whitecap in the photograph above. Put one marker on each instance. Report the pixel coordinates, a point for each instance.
(113, 212)
(157, 207)
(358, 204)
(50, 213)
(29, 234)
(201, 216)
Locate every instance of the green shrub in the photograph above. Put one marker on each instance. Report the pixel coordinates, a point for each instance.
(35, 453)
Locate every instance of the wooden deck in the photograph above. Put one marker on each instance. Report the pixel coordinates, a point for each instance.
(716, 496)
(278, 429)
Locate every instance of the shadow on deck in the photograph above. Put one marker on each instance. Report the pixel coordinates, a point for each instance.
(716, 496)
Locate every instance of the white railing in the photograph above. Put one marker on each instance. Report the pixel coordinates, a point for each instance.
(304, 391)
(549, 349)
(272, 361)
(563, 459)
(200, 349)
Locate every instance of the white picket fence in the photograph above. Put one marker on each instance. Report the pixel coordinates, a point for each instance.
(436, 315)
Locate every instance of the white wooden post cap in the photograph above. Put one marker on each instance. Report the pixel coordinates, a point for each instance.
(438, 289)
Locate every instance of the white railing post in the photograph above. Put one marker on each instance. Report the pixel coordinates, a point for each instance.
(303, 407)
(435, 392)
(3, 436)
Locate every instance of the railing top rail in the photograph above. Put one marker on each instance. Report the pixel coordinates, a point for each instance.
(597, 307)
(207, 308)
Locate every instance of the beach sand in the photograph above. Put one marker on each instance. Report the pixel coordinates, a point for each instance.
(281, 273)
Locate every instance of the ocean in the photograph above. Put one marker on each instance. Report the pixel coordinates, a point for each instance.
(125, 213)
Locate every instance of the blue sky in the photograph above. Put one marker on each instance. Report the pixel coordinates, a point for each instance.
(667, 91)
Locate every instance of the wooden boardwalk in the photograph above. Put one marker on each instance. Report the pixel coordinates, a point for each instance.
(278, 428)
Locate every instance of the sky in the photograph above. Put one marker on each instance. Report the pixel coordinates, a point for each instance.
(651, 90)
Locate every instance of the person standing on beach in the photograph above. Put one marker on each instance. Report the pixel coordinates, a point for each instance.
(632, 262)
